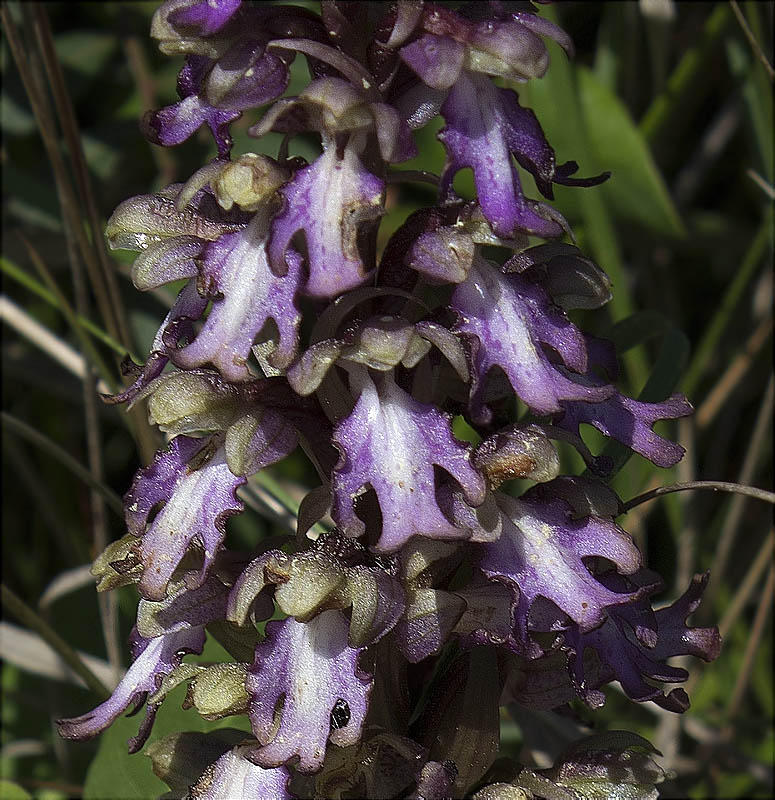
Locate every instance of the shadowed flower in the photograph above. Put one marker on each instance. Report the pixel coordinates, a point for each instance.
(631, 653)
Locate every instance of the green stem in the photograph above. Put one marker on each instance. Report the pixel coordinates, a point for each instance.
(14, 425)
(28, 617)
(20, 276)
(89, 350)
(710, 339)
(715, 486)
(690, 70)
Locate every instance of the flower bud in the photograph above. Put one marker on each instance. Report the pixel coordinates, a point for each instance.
(517, 453)
(248, 181)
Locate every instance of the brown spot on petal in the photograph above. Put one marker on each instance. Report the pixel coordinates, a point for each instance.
(509, 466)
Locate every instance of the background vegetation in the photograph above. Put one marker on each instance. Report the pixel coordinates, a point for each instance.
(674, 98)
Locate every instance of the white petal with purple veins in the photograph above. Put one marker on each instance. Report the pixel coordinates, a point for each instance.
(197, 502)
(541, 552)
(325, 694)
(392, 442)
(328, 201)
(512, 318)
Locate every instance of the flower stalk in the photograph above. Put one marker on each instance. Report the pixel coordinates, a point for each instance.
(373, 656)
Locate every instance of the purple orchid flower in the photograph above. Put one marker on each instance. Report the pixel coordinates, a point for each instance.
(373, 649)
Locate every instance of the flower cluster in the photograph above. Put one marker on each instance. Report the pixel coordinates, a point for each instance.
(437, 595)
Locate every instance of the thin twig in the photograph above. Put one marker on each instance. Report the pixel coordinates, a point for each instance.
(716, 397)
(757, 630)
(714, 139)
(71, 547)
(716, 486)
(730, 527)
(107, 602)
(67, 789)
(87, 346)
(708, 344)
(767, 188)
(687, 537)
(14, 425)
(749, 583)
(755, 46)
(68, 202)
(146, 88)
(72, 216)
(28, 282)
(26, 615)
(415, 175)
(26, 650)
(41, 337)
(72, 136)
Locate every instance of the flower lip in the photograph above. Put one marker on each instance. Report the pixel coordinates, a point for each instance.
(392, 442)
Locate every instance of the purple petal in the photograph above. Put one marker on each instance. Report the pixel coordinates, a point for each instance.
(329, 201)
(436, 59)
(197, 502)
(234, 777)
(392, 442)
(326, 694)
(236, 268)
(631, 659)
(246, 76)
(152, 660)
(511, 318)
(629, 422)
(177, 324)
(174, 124)
(541, 552)
(205, 17)
(485, 127)
(675, 638)
(546, 28)
(480, 135)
